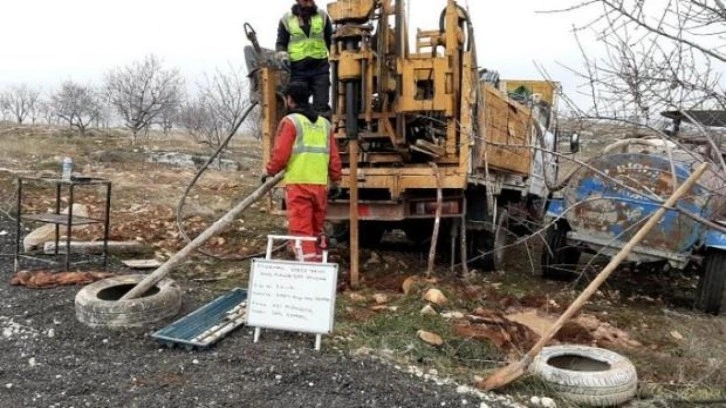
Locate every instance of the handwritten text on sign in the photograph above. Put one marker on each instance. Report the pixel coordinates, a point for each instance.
(293, 296)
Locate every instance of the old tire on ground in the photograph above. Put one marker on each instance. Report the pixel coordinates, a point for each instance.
(559, 260)
(711, 296)
(587, 376)
(97, 304)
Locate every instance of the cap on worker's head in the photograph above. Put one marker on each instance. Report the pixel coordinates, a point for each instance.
(298, 91)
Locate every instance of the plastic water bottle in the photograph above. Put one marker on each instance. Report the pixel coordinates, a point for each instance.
(67, 168)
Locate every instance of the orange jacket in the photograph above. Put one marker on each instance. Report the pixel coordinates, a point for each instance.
(284, 141)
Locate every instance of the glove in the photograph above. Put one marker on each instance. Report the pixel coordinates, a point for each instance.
(283, 58)
(334, 192)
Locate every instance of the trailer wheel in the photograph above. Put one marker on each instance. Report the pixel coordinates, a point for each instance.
(486, 249)
(711, 296)
(558, 260)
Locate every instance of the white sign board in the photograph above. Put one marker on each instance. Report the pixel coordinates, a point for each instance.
(292, 296)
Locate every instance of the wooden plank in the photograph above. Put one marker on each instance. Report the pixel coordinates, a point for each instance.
(433, 148)
(96, 247)
(142, 263)
(508, 130)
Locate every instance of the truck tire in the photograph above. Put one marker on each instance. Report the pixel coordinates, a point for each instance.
(98, 304)
(558, 261)
(487, 249)
(370, 233)
(711, 296)
(587, 376)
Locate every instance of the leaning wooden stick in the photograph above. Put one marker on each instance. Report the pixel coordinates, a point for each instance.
(513, 371)
(161, 272)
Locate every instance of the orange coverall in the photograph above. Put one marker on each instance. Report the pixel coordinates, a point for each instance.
(306, 203)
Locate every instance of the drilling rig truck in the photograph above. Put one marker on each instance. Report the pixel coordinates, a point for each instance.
(431, 144)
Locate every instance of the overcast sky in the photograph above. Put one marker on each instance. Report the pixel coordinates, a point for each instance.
(44, 42)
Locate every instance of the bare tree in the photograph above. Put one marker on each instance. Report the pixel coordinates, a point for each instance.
(19, 101)
(167, 118)
(225, 93)
(77, 104)
(197, 119)
(253, 124)
(217, 111)
(665, 55)
(140, 92)
(46, 111)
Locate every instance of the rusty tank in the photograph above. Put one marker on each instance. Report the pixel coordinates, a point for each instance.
(605, 202)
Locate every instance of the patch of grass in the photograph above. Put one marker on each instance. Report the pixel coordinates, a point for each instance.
(395, 334)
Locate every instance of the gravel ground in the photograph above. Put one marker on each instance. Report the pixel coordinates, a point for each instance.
(51, 360)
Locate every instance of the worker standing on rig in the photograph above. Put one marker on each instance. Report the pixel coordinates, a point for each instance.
(305, 148)
(303, 43)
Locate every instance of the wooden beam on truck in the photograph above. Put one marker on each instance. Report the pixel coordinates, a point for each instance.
(433, 148)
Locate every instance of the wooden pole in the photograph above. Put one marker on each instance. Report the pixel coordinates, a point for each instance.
(166, 268)
(437, 221)
(513, 371)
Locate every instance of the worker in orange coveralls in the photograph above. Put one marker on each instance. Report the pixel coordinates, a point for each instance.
(306, 150)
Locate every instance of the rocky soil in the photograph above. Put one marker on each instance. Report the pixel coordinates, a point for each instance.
(51, 360)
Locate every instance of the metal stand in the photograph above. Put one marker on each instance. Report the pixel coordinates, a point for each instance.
(59, 219)
(299, 257)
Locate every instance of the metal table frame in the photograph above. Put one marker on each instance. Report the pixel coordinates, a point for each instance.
(61, 219)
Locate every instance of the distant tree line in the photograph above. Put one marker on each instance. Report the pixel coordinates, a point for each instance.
(140, 96)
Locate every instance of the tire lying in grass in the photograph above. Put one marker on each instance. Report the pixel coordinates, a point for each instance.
(98, 304)
(587, 376)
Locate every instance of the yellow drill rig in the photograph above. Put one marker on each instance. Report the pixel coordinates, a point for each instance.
(431, 144)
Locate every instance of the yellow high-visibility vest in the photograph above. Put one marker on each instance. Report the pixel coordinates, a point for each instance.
(310, 156)
(301, 46)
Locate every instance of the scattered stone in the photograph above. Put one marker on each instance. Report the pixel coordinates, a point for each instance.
(363, 351)
(548, 403)
(429, 311)
(9, 385)
(51, 333)
(373, 260)
(357, 298)
(453, 315)
(430, 338)
(535, 400)
(195, 361)
(436, 297)
(676, 335)
(380, 298)
(31, 362)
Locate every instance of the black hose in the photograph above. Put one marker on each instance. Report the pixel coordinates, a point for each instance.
(469, 27)
(183, 198)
